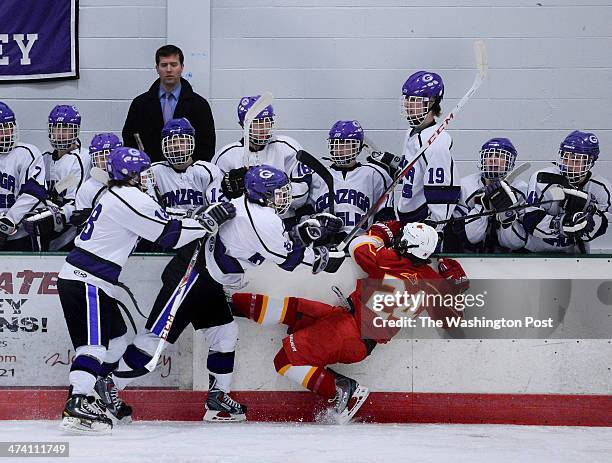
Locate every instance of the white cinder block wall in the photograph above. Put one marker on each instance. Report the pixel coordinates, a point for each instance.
(550, 67)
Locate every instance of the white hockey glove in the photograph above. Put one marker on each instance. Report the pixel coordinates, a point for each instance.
(45, 221)
(575, 201)
(213, 216)
(327, 260)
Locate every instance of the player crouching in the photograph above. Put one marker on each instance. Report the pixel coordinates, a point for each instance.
(322, 334)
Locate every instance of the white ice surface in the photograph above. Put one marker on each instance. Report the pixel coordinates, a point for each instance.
(181, 442)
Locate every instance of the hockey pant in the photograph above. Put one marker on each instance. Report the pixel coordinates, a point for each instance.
(321, 335)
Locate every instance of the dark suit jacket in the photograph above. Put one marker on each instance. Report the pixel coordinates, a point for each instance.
(145, 117)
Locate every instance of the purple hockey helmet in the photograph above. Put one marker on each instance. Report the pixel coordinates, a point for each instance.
(64, 126)
(8, 129)
(260, 131)
(100, 147)
(577, 154)
(268, 186)
(345, 142)
(178, 141)
(419, 93)
(497, 158)
(126, 163)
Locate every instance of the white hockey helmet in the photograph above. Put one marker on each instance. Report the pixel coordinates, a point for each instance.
(417, 239)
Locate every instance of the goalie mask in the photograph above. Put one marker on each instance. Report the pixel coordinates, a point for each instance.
(262, 126)
(420, 93)
(8, 129)
(100, 147)
(418, 240)
(577, 154)
(178, 141)
(64, 126)
(131, 165)
(268, 186)
(497, 158)
(345, 142)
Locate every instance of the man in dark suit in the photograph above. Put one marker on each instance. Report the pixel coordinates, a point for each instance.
(170, 97)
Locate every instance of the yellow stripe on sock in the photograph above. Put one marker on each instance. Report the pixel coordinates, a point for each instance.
(308, 376)
(283, 370)
(262, 314)
(284, 312)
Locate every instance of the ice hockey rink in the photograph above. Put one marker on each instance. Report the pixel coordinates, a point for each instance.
(183, 442)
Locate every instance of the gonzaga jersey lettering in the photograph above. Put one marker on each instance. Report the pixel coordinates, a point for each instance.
(356, 190)
(199, 184)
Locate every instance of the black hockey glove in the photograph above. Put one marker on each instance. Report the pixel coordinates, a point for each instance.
(233, 183)
(7, 228)
(45, 221)
(213, 216)
(79, 217)
(327, 260)
(575, 200)
(305, 233)
(577, 224)
(329, 223)
(388, 161)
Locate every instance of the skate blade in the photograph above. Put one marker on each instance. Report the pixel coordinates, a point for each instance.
(71, 424)
(356, 401)
(215, 416)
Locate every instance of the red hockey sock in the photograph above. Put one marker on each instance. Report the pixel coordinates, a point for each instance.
(265, 310)
(317, 379)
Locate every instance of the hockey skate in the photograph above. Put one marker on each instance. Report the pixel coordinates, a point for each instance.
(350, 396)
(220, 407)
(84, 414)
(106, 391)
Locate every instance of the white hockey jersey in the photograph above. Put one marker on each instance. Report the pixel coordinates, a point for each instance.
(356, 190)
(431, 187)
(89, 194)
(543, 222)
(56, 170)
(122, 215)
(476, 231)
(22, 177)
(254, 235)
(280, 152)
(197, 185)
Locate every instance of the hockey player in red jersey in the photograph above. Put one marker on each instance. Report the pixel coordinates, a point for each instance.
(321, 334)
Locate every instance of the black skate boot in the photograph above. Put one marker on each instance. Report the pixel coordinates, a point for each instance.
(116, 409)
(84, 414)
(350, 396)
(221, 407)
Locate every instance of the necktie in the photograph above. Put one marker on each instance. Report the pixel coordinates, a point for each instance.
(167, 109)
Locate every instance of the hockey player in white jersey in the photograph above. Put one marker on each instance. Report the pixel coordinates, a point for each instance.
(86, 281)
(254, 235)
(88, 195)
(22, 175)
(54, 228)
(431, 187)
(570, 225)
(488, 190)
(356, 185)
(265, 147)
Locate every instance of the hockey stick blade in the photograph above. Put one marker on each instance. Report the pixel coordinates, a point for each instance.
(66, 183)
(481, 64)
(99, 175)
(518, 170)
(139, 141)
(309, 160)
(266, 99)
(551, 178)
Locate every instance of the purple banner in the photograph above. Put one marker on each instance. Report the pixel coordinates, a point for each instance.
(38, 40)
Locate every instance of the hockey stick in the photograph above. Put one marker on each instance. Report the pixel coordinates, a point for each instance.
(176, 302)
(99, 175)
(481, 64)
(260, 104)
(556, 193)
(310, 161)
